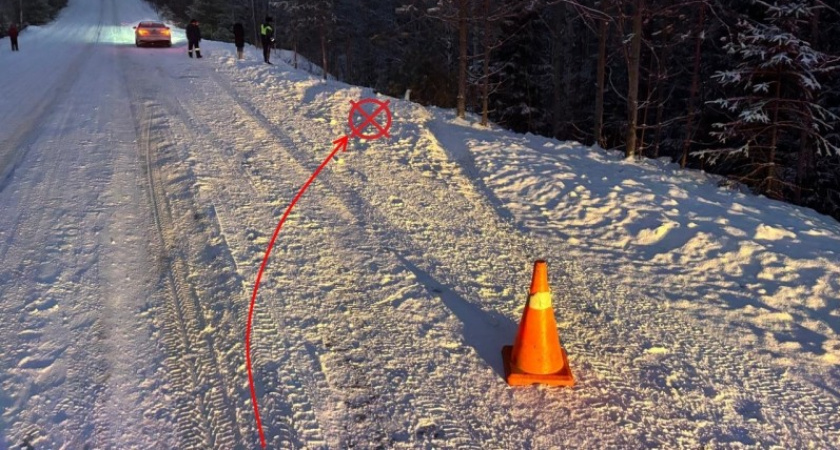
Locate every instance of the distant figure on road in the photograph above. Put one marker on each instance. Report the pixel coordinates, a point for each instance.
(239, 38)
(267, 35)
(193, 37)
(13, 35)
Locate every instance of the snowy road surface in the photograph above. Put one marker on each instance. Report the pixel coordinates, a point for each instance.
(138, 191)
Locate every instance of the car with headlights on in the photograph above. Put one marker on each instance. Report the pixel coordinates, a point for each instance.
(152, 33)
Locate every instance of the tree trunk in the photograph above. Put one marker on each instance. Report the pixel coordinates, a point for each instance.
(476, 44)
(802, 163)
(324, 50)
(603, 30)
(633, 81)
(485, 82)
(650, 88)
(348, 67)
(695, 84)
(563, 61)
(772, 177)
(806, 153)
(657, 139)
(463, 12)
(661, 78)
(257, 40)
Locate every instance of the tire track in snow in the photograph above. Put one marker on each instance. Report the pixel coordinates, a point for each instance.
(52, 357)
(445, 428)
(206, 416)
(280, 377)
(14, 147)
(448, 427)
(127, 354)
(271, 327)
(435, 423)
(573, 284)
(39, 346)
(288, 414)
(195, 432)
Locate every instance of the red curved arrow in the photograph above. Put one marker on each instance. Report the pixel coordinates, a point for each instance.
(340, 145)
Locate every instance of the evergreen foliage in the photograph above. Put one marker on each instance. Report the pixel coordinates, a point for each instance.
(774, 85)
(35, 12)
(744, 88)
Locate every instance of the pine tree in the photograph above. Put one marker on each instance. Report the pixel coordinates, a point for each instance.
(208, 14)
(525, 71)
(425, 56)
(775, 84)
(36, 12)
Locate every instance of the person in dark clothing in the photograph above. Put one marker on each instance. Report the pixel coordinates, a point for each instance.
(239, 39)
(194, 37)
(267, 36)
(13, 36)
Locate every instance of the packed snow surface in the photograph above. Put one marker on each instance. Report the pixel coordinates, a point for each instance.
(139, 190)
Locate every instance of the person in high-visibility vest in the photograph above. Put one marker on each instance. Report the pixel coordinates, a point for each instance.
(267, 36)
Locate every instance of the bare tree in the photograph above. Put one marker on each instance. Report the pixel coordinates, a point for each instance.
(695, 84)
(463, 48)
(603, 34)
(633, 60)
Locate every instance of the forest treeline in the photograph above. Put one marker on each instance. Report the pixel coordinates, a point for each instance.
(744, 88)
(28, 12)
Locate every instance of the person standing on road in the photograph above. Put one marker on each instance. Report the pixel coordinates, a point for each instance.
(193, 37)
(267, 35)
(13, 36)
(239, 39)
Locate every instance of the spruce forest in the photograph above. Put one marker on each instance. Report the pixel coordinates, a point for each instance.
(28, 12)
(748, 89)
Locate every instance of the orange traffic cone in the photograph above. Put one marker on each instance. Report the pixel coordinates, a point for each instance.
(536, 356)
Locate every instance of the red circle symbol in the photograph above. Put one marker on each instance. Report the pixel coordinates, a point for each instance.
(369, 117)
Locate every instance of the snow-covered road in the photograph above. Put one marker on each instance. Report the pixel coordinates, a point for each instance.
(139, 189)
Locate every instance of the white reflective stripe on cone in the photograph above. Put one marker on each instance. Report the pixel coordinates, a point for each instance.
(540, 300)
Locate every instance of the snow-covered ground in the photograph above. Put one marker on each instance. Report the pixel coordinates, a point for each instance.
(138, 192)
